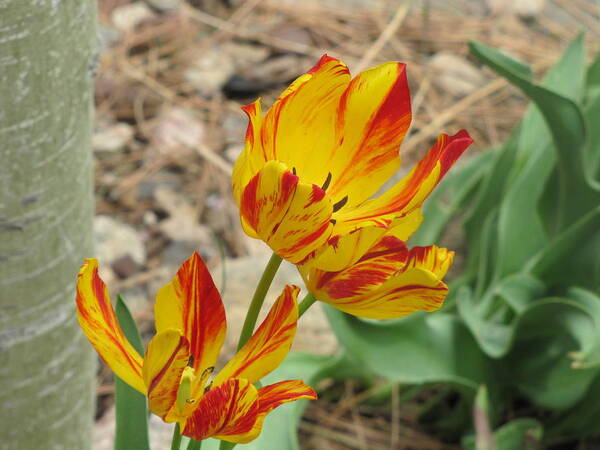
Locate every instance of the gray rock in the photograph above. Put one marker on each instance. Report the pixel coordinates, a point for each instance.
(164, 5)
(455, 74)
(210, 70)
(127, 17)
(112, 138)
(116, 239)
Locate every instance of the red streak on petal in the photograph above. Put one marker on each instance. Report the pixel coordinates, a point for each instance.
(317, 195)
(161, 373)
(249, 207)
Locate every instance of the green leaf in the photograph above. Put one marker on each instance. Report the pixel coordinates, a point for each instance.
(131, 408)
(593, 73)
(582, 419)
(592, 155)
(489, 196)
(558, 102)
(548, 337)
(280, 427)
(573, 257)
(524, 167)
(518, 434)
(420, 348)
(513, 294)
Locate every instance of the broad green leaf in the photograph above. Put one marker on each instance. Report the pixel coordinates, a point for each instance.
(131, 409)
(417, 349)
(593, 73)
(547, 336)
(513, 294)
(491, 190)
(280, 427)
(580, 420)
(518, 434)
(573, 257)
(589, 355)
(558, 102)
(592, 155)
(521, 230)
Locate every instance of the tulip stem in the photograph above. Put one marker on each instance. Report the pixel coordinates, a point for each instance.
(306, 303)
(194, 445)
(176, 442)
(258, 299)
(226, 445)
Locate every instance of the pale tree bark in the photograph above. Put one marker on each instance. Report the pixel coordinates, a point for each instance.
(47, 58)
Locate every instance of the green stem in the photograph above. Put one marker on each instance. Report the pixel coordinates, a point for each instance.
(194, 445)
(176, 442)
(306, 303)
(258, 299)
(226, 445)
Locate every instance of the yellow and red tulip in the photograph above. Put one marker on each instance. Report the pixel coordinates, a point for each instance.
(387, 282)
(311, 165)
(179, 362)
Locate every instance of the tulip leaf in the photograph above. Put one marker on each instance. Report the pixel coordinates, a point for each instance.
(131, 408)
(592, 113)
(511, 296)
(580, 246)
(558, 100)
(551, 334)
(420, 348)
(521, 230)
(593, 73)
(581, 419)
(280, 426)
(518, 434)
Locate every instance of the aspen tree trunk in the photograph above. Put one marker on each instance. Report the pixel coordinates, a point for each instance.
(47, 58)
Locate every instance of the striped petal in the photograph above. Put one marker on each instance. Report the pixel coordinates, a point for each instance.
(225, 412)
(372, 118)
(191, 303)
(300, 126)
(269, 345)
(408, 195)
(166, 358)
(389, 281)
(252, 157)
(99, 323)
(292, 218)
(272, 396)
(342, 251)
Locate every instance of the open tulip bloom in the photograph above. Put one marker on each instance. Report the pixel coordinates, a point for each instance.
(176, 372)
(306, 183)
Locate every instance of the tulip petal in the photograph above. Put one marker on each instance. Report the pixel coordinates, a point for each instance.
(389, 281)
(413, 290)
(372, 118)
(410, 192)
(299, 128)
(225, 412)
(292, 218)
(272, 396)
(166, 357)
(270, 343)
(252, 157)
(191, 303)
(342, 251)
(99, 323)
